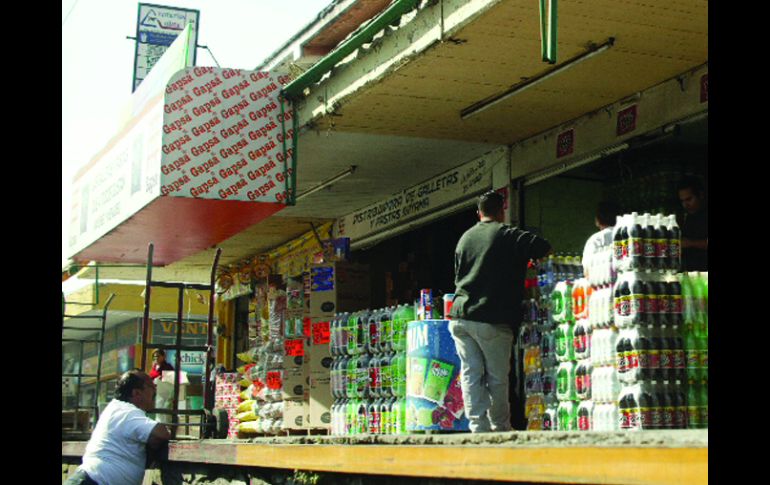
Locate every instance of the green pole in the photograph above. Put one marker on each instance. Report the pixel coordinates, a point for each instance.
(552, 41)
(543, 33)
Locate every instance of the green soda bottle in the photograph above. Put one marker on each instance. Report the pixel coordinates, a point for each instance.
(692, 353)
(703, 404)
(687, 299)
(693, 409)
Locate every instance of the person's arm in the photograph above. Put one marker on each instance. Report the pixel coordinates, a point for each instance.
(159, 435)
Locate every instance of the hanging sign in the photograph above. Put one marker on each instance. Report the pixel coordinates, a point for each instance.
(565, 143)
(156, 29)
(626, 120)
(224, 136)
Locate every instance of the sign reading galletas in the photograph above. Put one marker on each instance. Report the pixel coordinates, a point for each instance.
(224, 136)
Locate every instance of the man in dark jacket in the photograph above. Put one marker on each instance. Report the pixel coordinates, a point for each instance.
(490, 267)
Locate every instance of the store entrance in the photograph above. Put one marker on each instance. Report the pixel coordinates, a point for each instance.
(422, 258)
(640, 179)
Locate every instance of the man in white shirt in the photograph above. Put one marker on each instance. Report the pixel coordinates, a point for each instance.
(116, 454)
(606, 213)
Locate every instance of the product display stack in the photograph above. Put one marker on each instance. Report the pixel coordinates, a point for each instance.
(368, 371)
(648, 310)
(537, 360)
(555, 329)
(227, 397)
(598, 411)
(695, 298)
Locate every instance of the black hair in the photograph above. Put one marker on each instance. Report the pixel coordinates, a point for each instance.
(133, 379)
(490, 203)
(159, 352)
(606, 212)
(692, 183)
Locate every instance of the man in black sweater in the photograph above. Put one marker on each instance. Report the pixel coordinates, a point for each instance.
(490, 267)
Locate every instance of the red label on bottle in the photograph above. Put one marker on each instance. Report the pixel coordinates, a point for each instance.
(635, 247)
(668, 417)
(584, 423)
(652, 304)
(680, 417)
(374, 378)
(674, 248)
(624, 249)
(625, 306)
(621, 356)
(654, 359)
(625, 419)
(617, 248)
(637, 304)
(661, 248)
(676, 304)
(656, 418)
(644, 359)
(664, 304)
(680, 360)
(666, 359)
(632, 360)
(646, 418)
(649, 248)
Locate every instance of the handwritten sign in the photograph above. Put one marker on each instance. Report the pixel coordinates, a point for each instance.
(274, 380)
(321, 333)
(294, 347)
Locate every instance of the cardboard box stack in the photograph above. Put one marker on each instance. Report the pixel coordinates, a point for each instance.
(334, 287)
(227, 397)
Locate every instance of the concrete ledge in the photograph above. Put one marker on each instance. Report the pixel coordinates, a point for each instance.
(650, 457)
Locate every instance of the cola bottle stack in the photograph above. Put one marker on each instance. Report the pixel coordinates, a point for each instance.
(648, 309)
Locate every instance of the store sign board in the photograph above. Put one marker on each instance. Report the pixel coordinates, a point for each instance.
(224, 134)
(121, 180)
(432, 194)
(192, 361)
(565, 143)
(157, 27)
(626, 120)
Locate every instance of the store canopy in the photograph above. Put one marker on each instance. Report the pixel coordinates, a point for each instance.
(207, 156)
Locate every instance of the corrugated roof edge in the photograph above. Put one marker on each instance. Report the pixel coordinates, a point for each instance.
(327, 11)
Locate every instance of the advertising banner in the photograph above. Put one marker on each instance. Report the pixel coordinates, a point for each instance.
(224, 133)
(157, 27)
(434, 398)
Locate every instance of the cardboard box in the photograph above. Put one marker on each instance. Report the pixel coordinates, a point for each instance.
(338, 287)
(294, 414)
(321, 401)
(296, 373)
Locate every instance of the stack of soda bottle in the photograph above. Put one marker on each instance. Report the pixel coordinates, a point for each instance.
(650, 351)
(555, 329)
(368, 374)
(695, 296)
(537, 360)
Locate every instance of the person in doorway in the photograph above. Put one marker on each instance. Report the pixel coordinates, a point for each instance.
(604, 220)
(159, 364)
(116, 454)
(164, 396)
(490, 268)
(695, 225)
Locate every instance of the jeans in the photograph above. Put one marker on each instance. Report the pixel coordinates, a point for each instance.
(79, 478)
(485, 355)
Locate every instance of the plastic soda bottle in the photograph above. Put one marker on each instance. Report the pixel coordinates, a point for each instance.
(373, 333)
(351, 378)
(567, 416)
(362, 376)
(565, 381)
(680, 406)
(638, 288)
(585, 416)
(674, 244)
(703, 402)
(386, 330)
(581, 339)
(386, 375)
(661, 260)
(635, 248)
(398, 368)
(648, 243)
(373, 417)
(693, 405)
(374, 381)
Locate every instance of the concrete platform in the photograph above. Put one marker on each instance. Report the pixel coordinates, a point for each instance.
(649, 457)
